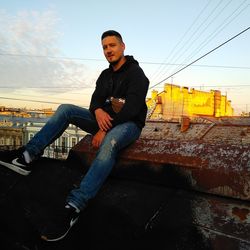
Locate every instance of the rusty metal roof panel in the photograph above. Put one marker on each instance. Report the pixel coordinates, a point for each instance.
(222, 169)
(235, 133)
(172, 130)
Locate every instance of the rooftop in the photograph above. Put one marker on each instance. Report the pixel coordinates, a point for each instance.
(182, 185)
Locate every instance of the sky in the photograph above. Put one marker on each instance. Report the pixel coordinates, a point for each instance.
(50, 50)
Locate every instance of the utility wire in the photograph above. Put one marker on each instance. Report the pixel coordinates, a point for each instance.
(215, 32)
(185, 45)
(141, 62)
(190, 43)
(52, 57)
(199, 65)
(201, 57)
(30, 100)
(159, 70)
(19, 99)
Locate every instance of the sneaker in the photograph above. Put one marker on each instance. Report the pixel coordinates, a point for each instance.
(60, 225)
(14, 160)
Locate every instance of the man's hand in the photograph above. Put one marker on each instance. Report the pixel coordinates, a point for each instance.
(103, 119)
(98, 138)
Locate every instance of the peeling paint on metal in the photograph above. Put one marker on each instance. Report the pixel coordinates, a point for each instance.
(242, 214)
(218, 164)
(201, 213)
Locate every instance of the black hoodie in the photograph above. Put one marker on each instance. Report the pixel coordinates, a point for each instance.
(129, 83)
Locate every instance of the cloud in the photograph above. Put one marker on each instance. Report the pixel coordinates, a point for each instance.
(30, 55)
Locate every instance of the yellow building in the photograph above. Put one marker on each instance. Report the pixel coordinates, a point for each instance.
(176, 101)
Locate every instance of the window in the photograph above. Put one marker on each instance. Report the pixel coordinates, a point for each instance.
(64, 144)
(73, 141)
(31, 135)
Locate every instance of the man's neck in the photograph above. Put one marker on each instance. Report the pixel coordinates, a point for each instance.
(119, 63)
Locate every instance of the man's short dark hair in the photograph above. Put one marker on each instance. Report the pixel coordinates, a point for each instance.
(112, 33)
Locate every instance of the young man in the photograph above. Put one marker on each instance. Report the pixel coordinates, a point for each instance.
(115, 118)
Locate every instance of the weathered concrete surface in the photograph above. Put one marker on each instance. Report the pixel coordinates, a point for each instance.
(222, 169)
(170, 190)
(227, 130)
(125, 214)
(210, 179)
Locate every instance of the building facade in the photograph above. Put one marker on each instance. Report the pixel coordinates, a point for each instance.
(17, 131)
(176, 102)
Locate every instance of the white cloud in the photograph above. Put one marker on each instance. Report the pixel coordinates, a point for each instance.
(28, 43)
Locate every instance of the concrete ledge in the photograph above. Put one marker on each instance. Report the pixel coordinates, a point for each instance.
(209, 184)
(162, 194)
(221, 169)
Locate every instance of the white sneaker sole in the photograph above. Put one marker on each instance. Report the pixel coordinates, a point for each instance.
(15, 168)
(72, 223)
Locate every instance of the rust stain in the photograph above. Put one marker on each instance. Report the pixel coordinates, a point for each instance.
(212, 167)
(213, 158)
(241, 213)
(229, 182)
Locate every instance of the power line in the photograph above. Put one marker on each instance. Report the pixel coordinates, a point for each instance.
(199, 65)
(141, 62)
(31, 100)
(215, 32)
(210, 37)
(202, 56)
(159, 70)
(46, 87)
(186, 44)
(225, 86)
(52, 57)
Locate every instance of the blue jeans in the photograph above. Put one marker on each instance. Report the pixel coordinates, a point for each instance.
(116, 139)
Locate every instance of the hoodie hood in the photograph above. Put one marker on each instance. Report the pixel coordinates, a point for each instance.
(129, 60)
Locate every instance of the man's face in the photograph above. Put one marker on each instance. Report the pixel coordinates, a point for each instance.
(113, 49)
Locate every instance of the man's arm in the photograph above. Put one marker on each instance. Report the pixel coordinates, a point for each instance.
(98, 138)
(135, 97)
(99, 95)
(103, 119)
(97, 102)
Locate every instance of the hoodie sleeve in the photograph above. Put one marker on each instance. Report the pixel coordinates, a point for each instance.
(135, 97)
(99, 95)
